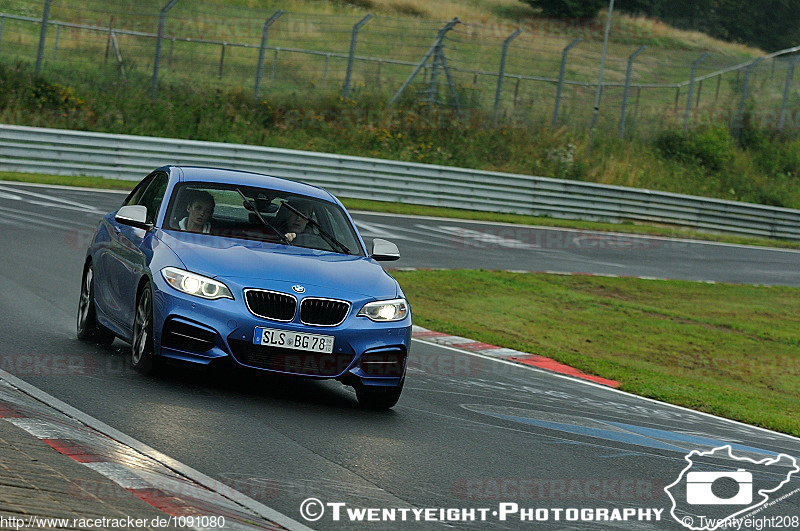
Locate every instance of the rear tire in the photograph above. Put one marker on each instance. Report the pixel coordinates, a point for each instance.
(142, 349)
(378, 398)
(88, 327)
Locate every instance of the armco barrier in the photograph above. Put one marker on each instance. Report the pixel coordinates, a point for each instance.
(64, 152)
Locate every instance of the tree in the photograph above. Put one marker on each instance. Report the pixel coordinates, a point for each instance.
(767, 24)
(568, 8)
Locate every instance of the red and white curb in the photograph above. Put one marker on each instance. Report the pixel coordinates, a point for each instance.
(145, 473)
(515, 356)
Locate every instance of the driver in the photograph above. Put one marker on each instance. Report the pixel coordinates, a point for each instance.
(292, 225)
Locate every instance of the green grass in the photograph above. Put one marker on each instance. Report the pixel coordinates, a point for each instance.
(87, 182)
(421, 210)
(761, 168)
(326, 26)
(79, 90)
(728, 350)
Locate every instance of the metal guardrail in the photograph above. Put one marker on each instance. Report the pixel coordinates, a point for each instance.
(64, 152)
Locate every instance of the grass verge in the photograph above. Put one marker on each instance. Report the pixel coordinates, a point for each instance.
(729, 350)
(421, 210)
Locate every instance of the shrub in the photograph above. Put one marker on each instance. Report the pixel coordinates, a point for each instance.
(52, 96)
(711, 148)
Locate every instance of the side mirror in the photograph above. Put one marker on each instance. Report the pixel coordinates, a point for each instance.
(133, 215)
(384, 250)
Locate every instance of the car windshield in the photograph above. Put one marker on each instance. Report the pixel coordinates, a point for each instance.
(246, 212)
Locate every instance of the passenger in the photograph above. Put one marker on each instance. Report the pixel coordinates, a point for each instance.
(199, 208)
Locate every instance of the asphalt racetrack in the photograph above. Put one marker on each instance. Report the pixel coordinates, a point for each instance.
(473, 443)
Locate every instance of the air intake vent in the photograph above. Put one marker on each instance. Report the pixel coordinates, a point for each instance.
(271, 304)
(388, 361)
(184, 336)
(290, 361)
(323, 312)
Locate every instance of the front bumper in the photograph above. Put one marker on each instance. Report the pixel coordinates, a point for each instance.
(200, 331)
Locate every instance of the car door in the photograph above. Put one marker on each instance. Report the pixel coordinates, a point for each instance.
(110, 273)
(129, 253)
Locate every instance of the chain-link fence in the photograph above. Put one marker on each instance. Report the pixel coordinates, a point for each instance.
(545, 74)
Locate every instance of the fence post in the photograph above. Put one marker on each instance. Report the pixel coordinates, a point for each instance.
(351, 58)
(108, 40)
(161, 21)
(598, 94)
(274, 66)
(699, 93)
(789, 76)
(263, 49)
(433, 84)
(439, 59)
(739, 119)
(55, 44)
(451, 83)
(687, 116)
(561, 74)
(502, 73)
(118, 54)
(222, 59)
(325, 71)
(439, 38)
(625, 93)
(43, 35)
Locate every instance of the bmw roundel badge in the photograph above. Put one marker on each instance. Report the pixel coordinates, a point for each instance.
(297, 288)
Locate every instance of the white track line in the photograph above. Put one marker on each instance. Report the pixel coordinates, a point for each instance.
(220, 488)
(607, 388)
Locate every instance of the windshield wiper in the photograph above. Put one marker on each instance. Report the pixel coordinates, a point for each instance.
(251, 206)
(328, 237)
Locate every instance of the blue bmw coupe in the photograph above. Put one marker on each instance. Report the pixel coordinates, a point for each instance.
(203, 264)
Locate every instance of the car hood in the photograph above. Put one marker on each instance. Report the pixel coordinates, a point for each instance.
(248, 262)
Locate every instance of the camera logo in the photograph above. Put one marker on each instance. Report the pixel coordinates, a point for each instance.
(699, 488)
(717, 486)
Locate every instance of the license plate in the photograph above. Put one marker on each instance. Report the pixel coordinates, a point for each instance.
(271, 337)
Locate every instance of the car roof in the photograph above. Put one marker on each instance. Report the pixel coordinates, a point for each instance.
(246, 178)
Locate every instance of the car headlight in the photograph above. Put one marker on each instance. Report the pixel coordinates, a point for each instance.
(194, 284)
(393, 310)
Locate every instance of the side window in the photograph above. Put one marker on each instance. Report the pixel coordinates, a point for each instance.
(153, 196)
(136, 194)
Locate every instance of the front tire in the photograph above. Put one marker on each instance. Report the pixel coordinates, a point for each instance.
(142, 349)
(378, 398)
(88, 327)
